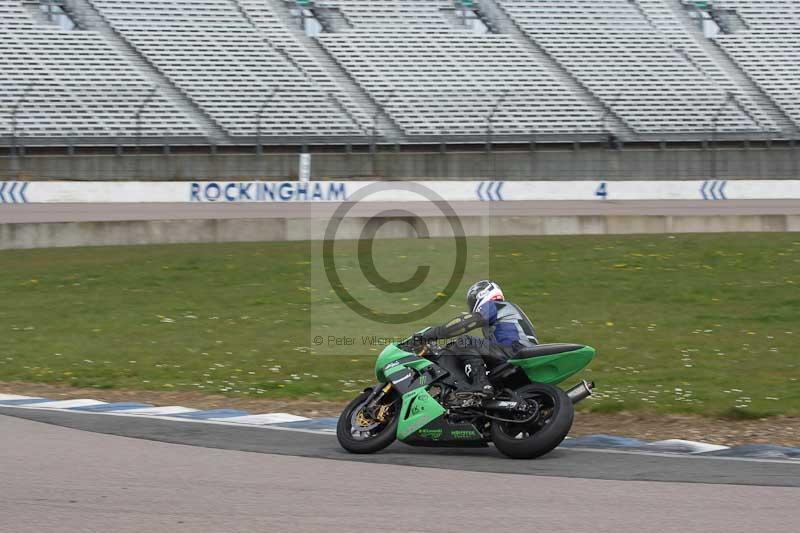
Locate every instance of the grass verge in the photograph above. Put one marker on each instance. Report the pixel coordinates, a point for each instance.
(704, 324)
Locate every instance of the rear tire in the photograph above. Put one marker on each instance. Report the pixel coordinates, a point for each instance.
(378, 439)
(528, 441)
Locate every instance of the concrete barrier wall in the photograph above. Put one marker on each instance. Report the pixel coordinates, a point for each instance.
(586, 163)
(46, 235)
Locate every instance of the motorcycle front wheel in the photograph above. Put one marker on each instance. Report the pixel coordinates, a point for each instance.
(533, 439)
(358, 432)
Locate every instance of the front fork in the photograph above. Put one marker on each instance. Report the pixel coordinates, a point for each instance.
(373, 400)
(402, 382)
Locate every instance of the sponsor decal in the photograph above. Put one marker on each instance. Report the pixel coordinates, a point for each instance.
(391, 365)
(463, 434)
(407, 376)
(419, 423)
(433, 434)
(419, 406)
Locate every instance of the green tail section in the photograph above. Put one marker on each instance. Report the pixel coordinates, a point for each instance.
(553, 369)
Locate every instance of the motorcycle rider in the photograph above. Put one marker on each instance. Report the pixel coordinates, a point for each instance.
(505, 327)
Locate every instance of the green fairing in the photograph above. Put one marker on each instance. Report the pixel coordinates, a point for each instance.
(389, 355)
(419, 409)
(392, 353)
(553, 369)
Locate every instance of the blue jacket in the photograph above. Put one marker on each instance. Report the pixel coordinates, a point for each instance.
(505, 323)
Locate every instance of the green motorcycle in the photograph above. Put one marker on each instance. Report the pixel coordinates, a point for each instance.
(419, 400)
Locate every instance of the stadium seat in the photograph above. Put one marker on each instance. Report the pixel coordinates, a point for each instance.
(169, 68)
(73, 84)
(611, 47)
(768, 50)
(436, 79)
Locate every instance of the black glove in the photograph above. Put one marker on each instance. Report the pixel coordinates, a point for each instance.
(414, 344)
(430, 334)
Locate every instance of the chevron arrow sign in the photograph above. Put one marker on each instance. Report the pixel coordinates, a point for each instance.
(13, 192)
(713, 190)
(490, 191)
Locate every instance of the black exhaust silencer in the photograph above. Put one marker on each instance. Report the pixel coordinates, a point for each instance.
(581, 391)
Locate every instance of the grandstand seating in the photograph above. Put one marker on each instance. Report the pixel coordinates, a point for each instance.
(769, 49)
(610, 47)
(66, 83)
(275, 29)
(210, 51)
(663, 16)
(421, 14)
(434, 79)
(235, 69)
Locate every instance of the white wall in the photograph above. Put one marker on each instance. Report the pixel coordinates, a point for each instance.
(451, 191)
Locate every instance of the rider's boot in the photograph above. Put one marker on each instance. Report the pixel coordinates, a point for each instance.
(476, 372)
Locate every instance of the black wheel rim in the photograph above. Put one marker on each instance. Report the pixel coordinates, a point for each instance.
(547, 409)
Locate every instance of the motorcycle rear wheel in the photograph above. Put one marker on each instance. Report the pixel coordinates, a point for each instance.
(355, 437)
(534, 439)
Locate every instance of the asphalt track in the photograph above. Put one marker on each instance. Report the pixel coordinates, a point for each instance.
(583, 463)
(67, 212)
(56, 479)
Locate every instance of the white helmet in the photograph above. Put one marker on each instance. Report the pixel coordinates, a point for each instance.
(482, 292)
